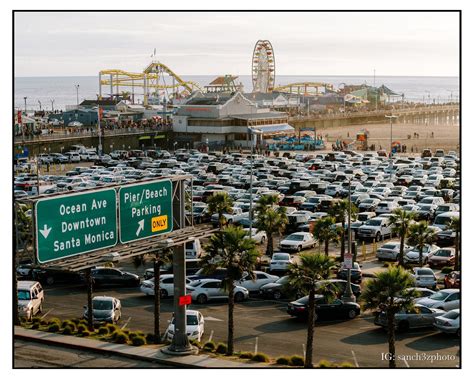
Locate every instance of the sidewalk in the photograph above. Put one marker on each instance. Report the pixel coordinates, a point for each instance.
(152, 354)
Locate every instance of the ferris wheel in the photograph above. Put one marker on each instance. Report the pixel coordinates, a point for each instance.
(263, 67)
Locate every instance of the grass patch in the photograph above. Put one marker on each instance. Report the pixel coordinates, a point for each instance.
(346, 364)
(324, 363)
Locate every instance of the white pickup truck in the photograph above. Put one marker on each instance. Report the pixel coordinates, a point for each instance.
(377, 227)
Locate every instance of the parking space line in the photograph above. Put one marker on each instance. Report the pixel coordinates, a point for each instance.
(47, 313)
(256, 345)
(355, 359)
(126, 323)
(406, 363)
(212, 335)
(304, 352)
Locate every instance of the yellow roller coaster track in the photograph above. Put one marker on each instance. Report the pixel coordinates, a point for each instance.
(304, 87)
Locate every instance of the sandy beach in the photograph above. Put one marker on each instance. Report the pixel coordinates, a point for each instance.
(445, 137)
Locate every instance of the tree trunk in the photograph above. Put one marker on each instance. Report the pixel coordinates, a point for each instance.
(402, 250)
(326, 247)
(157, 303)
(420, 254)
(456, 252)
(269, 244)
(90, 316)
(230, 324)
(391, 338)
(308, 362)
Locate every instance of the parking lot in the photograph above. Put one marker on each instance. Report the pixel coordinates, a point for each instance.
(308, 185)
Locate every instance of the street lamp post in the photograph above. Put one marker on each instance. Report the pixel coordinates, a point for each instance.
(52, 105)
(39, 102)
(24, 98)
(251, 182)
(391, 117)
(77, 94)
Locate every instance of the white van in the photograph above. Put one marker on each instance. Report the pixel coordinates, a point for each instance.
(193, 249)
(30, 299)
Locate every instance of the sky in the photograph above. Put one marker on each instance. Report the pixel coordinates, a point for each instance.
(305, 43)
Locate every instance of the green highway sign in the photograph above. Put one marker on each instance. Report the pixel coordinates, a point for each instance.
(145, 210)
(75, 224)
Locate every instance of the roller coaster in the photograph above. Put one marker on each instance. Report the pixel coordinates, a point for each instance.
(154, 78)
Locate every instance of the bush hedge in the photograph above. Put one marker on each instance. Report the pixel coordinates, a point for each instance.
(150, 338)
(260, 357)
(209, 346)
(119, 337)
(221, 348)
(103, 330)
(246, 355)
(283, 361)
(296, 360)
(68, 330)
(53, 327)
(446, 270)
(138, 340)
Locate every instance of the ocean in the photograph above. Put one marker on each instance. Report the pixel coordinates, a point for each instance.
(57, 92)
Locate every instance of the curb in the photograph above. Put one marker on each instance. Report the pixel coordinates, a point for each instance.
(106, 351)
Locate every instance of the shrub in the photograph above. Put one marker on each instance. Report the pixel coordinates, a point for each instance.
(103, 330)
(132, 335)
(43, 322)
(209, 346)
(111, 327)
(76, 321)
(54, 328)
(346, 364)
(246, 355)
(68, 330)
(296, 360)
(196, 343)
(221, 348)
(36, 319)
(35, 325)
(120, 337)
(446, 270)
(81, 328)
(283, 360)
(85, 333)
(138, 341)
(324, 363)
(150, 338)
(260, 357)
(54, 321)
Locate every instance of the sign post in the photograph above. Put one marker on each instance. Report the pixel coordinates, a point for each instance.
(145, 210)
(75, 224)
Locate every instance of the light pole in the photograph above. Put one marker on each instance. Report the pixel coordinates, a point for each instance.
(391, 117)
(24, 98)
(429, 96)
(250, 132)
(77, 94)
(52, 105)
(39, 102)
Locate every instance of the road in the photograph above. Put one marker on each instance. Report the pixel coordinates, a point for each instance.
(264, 326)
(36, 355)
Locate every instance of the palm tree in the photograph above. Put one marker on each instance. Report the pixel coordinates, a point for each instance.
(401, 221)
(220, 203)
(271, 221)
(324, 232)
(419, 234)
(161, 258)
(230, 249)
(340, 211)
(455, 226)
(389, 290)
(304, 277)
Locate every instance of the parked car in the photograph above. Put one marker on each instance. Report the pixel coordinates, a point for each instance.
(194, 326)
(105, 308)
(166, 286)
(424, 277)
(356, 273)
(298, 241)
(390, 251)
(452, 280)
(52, 276)
(253, 285)
(413, 256)
(446, 299)
(375, 228)
(280, 261)
(417, 317)
(443, 257)
(259, 236)
(278, 289)
(449, 322)
(108, 276)
(335, 310)
(339, 286)
(203, 290)
(30, 298)
(193, 249)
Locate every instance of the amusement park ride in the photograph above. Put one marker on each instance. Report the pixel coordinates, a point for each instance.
(158, 78)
